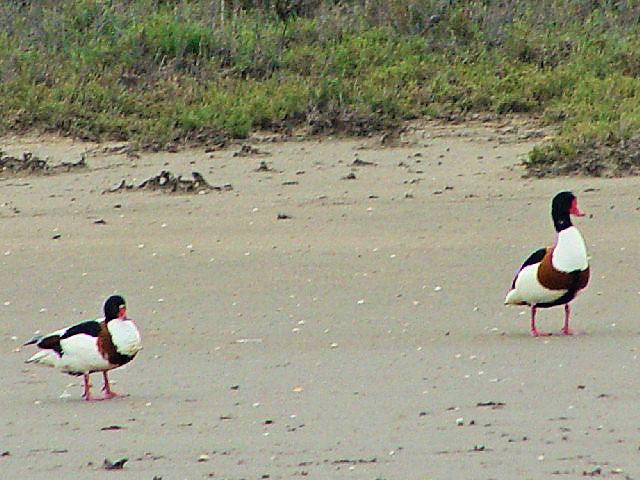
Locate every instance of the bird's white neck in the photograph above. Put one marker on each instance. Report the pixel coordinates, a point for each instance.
(570, 252)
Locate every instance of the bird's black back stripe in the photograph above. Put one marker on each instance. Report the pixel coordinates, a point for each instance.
(90, 327)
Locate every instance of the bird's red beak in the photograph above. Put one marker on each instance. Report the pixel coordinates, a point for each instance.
(574, 210)
(122, 313)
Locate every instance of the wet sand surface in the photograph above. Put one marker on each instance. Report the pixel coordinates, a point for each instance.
(364, 337)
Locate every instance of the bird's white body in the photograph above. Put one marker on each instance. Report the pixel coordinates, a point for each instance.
(80, 352)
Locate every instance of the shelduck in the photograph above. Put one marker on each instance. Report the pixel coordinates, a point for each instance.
(92, 346)
(554, 275)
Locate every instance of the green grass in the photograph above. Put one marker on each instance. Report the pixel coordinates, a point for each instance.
(159, 71)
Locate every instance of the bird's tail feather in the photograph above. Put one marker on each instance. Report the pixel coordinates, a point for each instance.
(513, 298)
(44, 357)
(33, 341)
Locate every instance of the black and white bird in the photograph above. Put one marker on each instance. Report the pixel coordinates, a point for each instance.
(554, 275)
(92, 346)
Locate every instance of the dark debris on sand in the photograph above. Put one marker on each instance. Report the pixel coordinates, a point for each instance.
(109, 465)
(170, 183)
(264, 167)
(363, 163)
(30, 164)
(249, 151)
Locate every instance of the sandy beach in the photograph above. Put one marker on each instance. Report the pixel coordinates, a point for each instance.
(363, 336)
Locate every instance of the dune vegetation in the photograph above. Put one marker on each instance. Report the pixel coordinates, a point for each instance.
(156, 72)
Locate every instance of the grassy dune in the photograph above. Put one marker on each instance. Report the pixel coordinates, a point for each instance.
(153, 72)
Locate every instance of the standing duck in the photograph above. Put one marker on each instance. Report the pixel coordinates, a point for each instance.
(554, 275)
(92, 346)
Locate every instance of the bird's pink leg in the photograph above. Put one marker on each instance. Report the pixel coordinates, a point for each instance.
(106, 389)
(86, 393)
(534, 331)
(565, 329)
